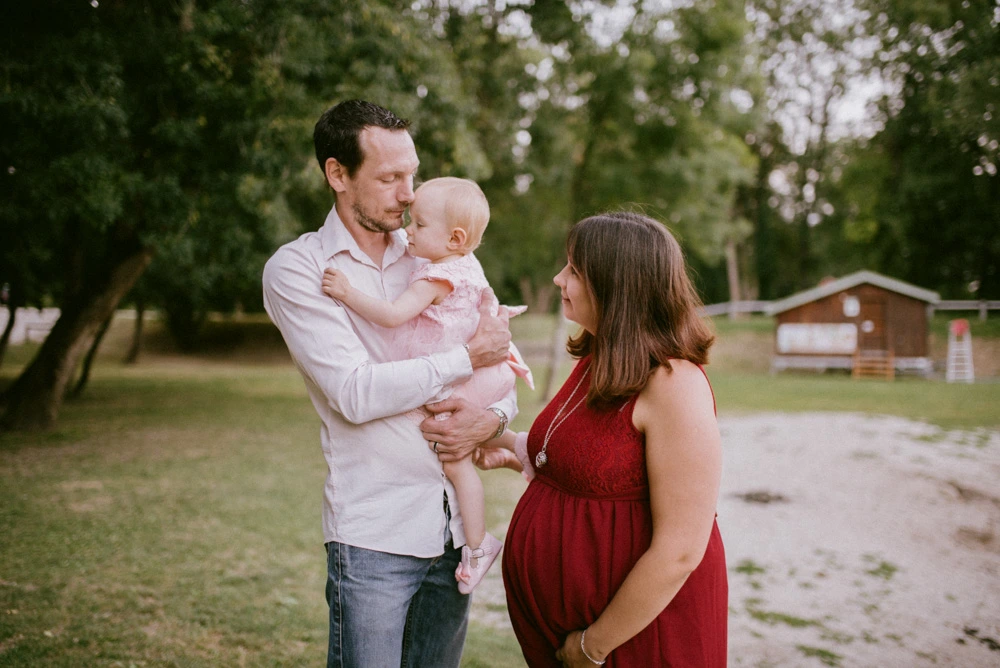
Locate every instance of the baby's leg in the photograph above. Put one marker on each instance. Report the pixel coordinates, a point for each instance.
(469, 489)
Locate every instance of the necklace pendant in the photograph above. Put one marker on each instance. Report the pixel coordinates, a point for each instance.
(540, 460)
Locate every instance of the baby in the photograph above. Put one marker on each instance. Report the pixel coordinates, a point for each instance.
(447, 220)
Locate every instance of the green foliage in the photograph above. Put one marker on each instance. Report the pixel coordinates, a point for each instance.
(137, 124)
(987, 329)
(749, 567)
(198, 117)
(809, 53)
(185, 128)
(635, 120)
(825, 656)
(884, 570)
(934, 193)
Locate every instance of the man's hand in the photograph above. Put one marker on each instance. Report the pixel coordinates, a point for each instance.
(335, 284)
(458, 434)
(491, 343)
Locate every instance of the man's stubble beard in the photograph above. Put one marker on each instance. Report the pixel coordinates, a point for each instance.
(373, 224)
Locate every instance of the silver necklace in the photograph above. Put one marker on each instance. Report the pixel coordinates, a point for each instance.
(541, 458)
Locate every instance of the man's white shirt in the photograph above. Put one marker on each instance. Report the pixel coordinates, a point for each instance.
(384, 487)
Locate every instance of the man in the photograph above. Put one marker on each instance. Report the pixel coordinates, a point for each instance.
(391, 548)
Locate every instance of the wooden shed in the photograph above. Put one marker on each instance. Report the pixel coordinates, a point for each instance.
(864, 313)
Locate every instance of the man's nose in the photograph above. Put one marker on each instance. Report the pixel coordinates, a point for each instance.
(405, 194)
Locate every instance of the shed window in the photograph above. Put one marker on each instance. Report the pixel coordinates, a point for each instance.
(852, 306)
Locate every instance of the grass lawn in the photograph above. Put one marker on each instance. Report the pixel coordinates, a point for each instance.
(956, 406)
(172, 517)
(989, 328)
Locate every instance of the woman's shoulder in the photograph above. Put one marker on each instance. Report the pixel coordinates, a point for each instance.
(677, 375)
(681, 387)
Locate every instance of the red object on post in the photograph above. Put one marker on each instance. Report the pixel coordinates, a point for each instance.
(959, 327)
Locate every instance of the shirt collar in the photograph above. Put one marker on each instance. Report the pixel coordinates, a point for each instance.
(336, 239)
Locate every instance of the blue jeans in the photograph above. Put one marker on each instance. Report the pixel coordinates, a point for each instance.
(390, 610)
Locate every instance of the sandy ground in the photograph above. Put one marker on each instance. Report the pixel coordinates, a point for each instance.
(854, 541)
(882, 547)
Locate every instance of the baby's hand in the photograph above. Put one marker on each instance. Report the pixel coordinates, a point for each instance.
(335, 284)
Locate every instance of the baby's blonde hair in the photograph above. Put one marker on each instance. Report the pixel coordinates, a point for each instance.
(465, 206)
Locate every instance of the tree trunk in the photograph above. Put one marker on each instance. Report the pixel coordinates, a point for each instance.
(89, 359)
(765, 257)
(13, 303)
(557, 353)
(537, 301)
(37, 395)
(733, 275)
(184, 322)
(140, 315)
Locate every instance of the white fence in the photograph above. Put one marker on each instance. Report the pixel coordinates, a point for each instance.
(982, 306)
(31, 324)
(735, 307)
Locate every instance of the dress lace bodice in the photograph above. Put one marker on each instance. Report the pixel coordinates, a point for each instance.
(596, 453)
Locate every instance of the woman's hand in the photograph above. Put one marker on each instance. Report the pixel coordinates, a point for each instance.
(489, 458)
(571, 655)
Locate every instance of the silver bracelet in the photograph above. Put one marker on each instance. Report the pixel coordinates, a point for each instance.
(584, 650)
(503, 421)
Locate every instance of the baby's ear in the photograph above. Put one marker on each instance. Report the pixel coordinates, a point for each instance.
(458, 238)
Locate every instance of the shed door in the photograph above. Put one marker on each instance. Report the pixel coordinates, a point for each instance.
(871, 328)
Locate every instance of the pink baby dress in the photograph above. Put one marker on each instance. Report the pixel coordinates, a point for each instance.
(453, 322)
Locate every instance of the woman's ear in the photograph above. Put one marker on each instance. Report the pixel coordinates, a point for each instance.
(336, 175)
(458, 238)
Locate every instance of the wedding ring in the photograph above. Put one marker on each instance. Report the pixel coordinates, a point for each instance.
(435, 446)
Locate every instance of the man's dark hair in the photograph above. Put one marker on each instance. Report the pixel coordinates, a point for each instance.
(338, 130)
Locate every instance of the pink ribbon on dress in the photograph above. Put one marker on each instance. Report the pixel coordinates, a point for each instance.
(514, 358)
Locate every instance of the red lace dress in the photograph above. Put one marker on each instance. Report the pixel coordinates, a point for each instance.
(578, 530)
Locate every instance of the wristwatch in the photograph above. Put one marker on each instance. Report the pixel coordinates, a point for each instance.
(503, 421)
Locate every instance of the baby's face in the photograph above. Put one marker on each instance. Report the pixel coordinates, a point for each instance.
(428, 231)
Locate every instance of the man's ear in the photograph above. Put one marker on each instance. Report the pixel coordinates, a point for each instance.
(458, 238)
(336, 175)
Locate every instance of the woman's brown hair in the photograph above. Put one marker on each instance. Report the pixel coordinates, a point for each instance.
(647, 308)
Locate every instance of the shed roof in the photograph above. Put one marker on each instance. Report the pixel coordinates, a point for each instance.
(850, 281)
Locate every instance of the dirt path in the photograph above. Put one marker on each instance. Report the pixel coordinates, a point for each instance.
(853, 541)
(861, 541)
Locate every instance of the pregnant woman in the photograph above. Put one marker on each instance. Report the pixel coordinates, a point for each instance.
(613, 553)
